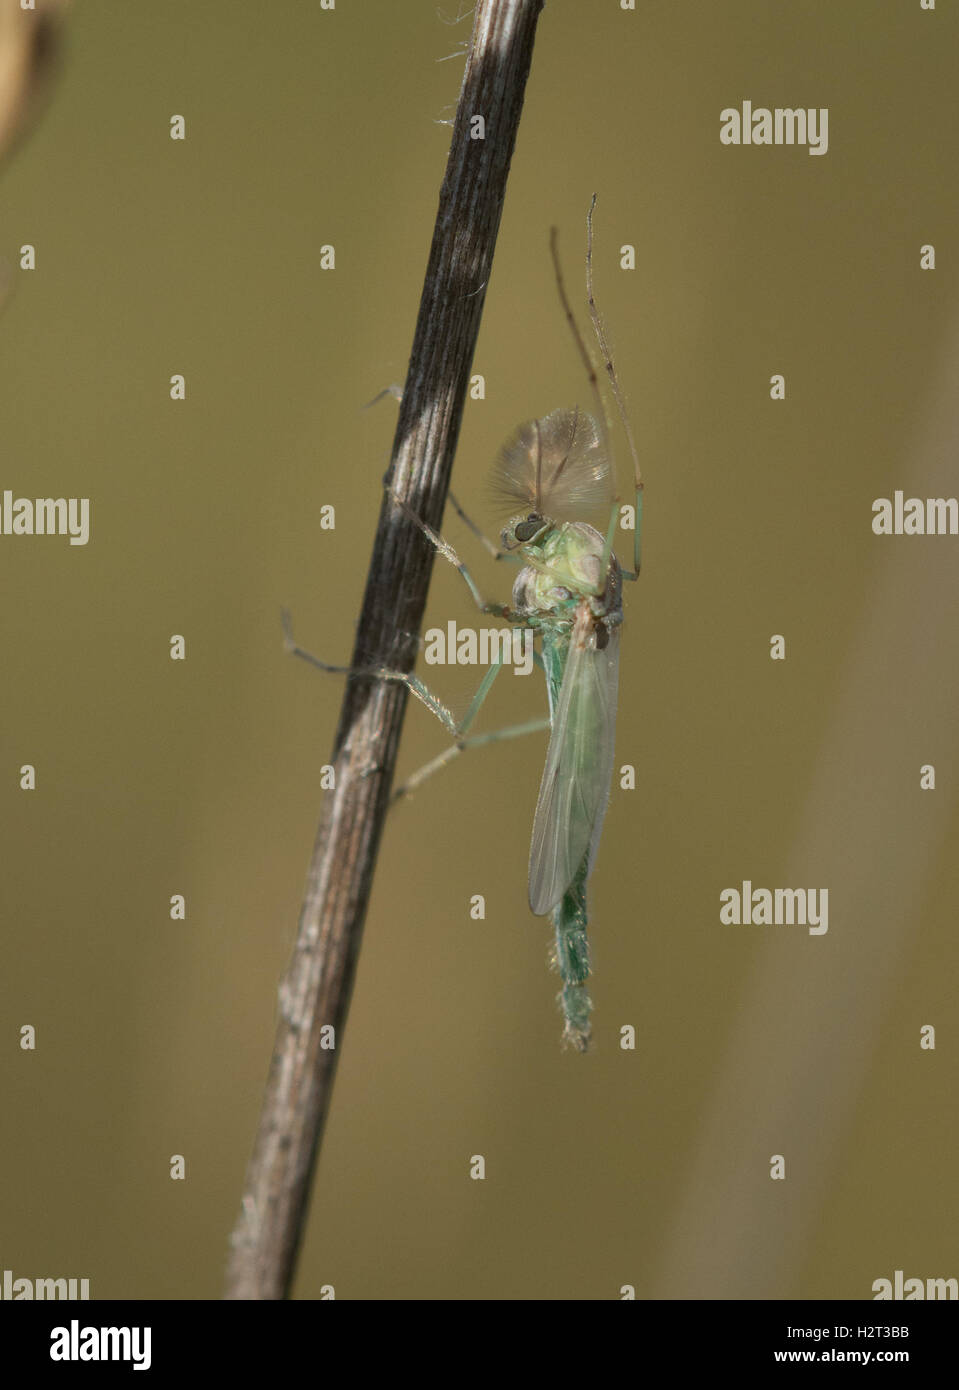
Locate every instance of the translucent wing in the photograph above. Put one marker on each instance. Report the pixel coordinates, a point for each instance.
(556, 466)
(574, 791)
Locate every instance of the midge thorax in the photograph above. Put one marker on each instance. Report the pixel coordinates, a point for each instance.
(568, 592)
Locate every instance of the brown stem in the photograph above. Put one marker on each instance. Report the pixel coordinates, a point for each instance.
(316, 989)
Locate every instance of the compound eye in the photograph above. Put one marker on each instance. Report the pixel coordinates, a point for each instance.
(526, 530)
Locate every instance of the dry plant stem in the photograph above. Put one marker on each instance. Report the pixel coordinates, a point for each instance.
(316, 989)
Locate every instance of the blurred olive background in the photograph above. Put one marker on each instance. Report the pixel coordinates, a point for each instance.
(648, 1167)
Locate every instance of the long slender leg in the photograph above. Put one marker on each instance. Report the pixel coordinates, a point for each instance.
(433, 704)
(414, 685)
(581, 347)
(617, 390)
(501, 610)
(395, 391)
(637, 548)
(591, 373)
(397, 394)
(484, 540)
(381, 673)
(485, 686)
(461, 746)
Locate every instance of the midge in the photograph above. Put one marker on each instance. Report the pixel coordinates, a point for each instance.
(569, 594)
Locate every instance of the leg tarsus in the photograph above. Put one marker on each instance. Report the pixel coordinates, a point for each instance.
(293, 648)
(395, 391)
(379, 673)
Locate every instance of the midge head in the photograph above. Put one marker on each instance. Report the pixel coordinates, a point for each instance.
(557, 468)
